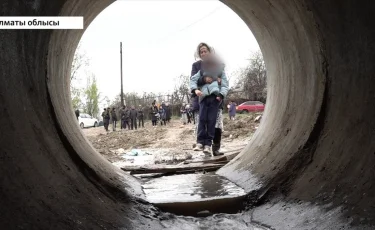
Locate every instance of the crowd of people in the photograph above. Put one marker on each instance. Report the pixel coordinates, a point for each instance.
(132, 118)
(160, 113)
(209, 86)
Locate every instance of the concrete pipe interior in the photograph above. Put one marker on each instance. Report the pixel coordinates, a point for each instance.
(315, 144)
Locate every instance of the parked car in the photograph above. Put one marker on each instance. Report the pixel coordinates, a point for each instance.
(250, 106)
(86, 120)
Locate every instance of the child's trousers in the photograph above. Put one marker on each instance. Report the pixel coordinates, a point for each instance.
(208, 109)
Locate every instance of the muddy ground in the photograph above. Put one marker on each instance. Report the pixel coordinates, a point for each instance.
(165, 144)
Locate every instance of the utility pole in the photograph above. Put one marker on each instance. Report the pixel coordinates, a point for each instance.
(122, 92)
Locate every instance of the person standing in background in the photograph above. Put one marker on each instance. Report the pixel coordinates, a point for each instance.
(133, 118)
(232, 110)
(77, 113)
(162, 116)
(106, 118)
(141, 117)
(122, 117)
(127, 118)
(183, 114)
(114, 118)
(154, 112)
(168, 112)
(188, 114)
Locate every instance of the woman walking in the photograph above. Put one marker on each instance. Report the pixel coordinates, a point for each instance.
(202, 51)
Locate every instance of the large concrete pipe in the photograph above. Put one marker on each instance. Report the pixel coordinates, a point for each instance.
(314, 144)
(316, 141)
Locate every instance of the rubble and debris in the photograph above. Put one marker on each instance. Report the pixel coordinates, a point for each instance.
(118, 151)
(136, 152)
(257, 119)
(166, 145)
(242, 127)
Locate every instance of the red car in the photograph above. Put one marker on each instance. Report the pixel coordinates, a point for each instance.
(250, 106)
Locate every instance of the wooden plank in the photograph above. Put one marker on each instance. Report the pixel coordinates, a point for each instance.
(232, 156)
(216, 159)
(167, 167)
(170, 168)
(223, 160)
(179, 172)
(233, 151)
(191, 169)
(206, 161)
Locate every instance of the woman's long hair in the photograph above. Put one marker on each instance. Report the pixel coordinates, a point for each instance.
(197, 51)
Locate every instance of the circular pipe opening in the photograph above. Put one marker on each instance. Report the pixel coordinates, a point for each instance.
(305, 147)
(296, 83)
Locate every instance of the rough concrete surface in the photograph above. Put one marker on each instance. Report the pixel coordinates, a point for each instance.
(315, 143)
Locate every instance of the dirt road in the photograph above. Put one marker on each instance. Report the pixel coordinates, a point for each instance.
(164, 144)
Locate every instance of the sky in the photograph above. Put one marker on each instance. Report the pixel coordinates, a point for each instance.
(159, 40)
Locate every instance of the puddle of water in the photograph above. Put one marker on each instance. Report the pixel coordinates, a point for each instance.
(190, 188)
(215, 222)
(195, 194)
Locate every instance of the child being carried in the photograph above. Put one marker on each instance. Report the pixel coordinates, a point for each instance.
(210, 95)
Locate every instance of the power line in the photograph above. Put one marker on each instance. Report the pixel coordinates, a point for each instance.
(201, 19)
(190, 25)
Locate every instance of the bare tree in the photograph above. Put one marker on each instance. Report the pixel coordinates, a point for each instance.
(80, 61)
(181, 92)
(252, 81)
(135, 99)
(105, 102)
